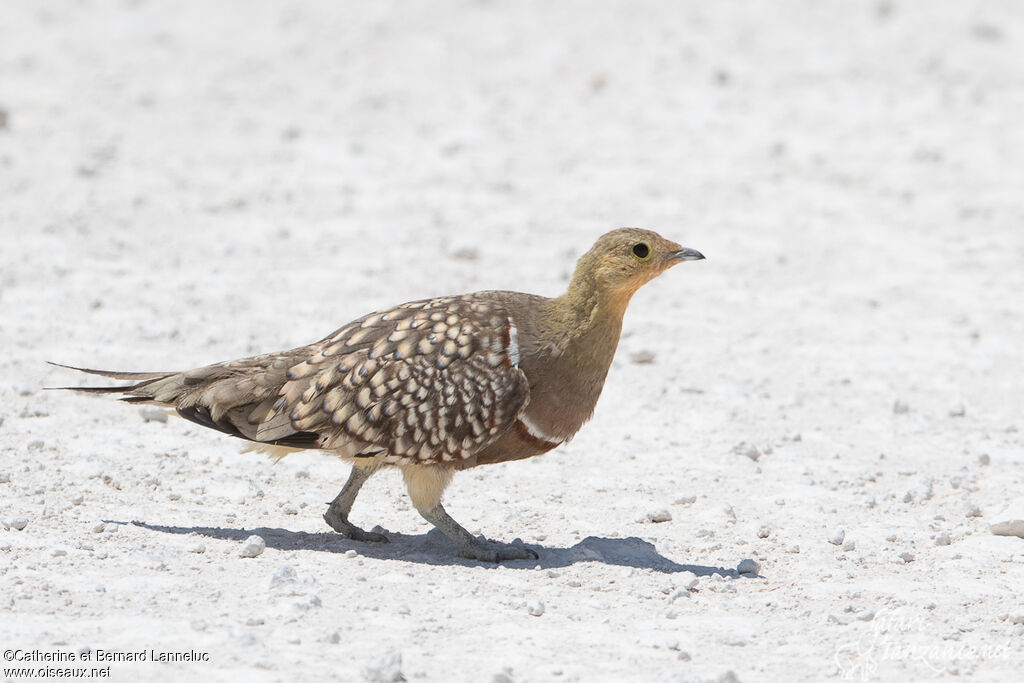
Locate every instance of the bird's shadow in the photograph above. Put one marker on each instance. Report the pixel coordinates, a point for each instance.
(434, 548)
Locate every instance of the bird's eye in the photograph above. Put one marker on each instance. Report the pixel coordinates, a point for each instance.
(641, 251)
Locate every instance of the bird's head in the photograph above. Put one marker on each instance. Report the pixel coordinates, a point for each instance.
(624, 260)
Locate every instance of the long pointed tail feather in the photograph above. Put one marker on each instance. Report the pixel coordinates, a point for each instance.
(113, 374)
(145, 378)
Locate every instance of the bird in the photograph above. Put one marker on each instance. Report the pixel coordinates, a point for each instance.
(432, 387)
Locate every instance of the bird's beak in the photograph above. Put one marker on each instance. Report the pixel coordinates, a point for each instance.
(686, 254)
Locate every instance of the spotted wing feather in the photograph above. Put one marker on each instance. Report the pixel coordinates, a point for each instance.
(426, 381)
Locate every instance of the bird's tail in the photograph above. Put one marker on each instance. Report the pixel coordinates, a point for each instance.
(148, 387)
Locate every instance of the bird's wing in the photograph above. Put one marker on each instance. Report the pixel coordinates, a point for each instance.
(427, 381)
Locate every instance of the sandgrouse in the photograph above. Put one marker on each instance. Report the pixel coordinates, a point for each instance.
(430, 386)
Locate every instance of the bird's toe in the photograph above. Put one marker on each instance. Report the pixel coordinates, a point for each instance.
(350, 530)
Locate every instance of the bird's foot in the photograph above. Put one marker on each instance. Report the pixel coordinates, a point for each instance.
(340, 523)
(489, 551)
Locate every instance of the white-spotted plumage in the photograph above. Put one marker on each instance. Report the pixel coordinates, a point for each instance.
(513, 343)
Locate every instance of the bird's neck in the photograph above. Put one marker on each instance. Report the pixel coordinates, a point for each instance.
(586, 322)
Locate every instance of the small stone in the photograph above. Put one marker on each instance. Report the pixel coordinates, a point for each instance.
(77, 499)
(657, 516)
(983, 460)
(764, 531)
(972, 510)
(197, 548)
(59, 552)
(5, 478)
(642, 357)
(865, 615)
(1018, 618)
(18, 523)
(385, 668)
(503, 676)
(957, 408)
(792, 549)
(849, 545)
(98, 527)
(1009, 521)
(351, 553)
(153, 415)
(943, 538)
(466, 254)
(837, 536)
(749, 566)
(900, 407)
(289, 510)
(907, 557)
(686, 580)
(252, 547)
(535, 608)
(686, 500)
(747, 449)
(282, 576)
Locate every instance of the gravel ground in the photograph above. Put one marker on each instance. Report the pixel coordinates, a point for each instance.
(830, 403)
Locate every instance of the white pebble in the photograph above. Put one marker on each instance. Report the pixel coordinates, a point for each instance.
(252, 547)
(153, 415)
(900, 407)
(957, 408)
(59, 552)
(197, 548)
(837, 536)
(972, 510)
(659, 516)
(18, 523)
(535, 608)
(5, 478)
(749, 566)
(983, 459)
(866, 615)
(686, 500)
(764, 532)
(943, 539)
(907, 557)
(282, 576)
(849, 545)
(1009, 521)
(351, 553)
(687, 580)
(290, 510)
(748, 449)
(385, 668)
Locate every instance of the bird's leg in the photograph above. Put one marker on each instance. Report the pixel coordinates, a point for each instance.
(426, 484)
(337, 514)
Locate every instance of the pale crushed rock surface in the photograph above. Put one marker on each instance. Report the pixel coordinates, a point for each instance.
(191, 182)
